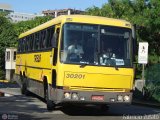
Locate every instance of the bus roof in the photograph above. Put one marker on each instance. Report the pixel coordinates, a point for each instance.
(79, 19)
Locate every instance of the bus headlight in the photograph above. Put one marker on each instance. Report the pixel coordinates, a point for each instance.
(74, 96)
(126, 98)
(120, 98)
(67, 95)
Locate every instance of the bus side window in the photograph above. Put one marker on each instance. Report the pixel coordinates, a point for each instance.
(32, 42)
(27, 45)
(23, 45)
(45, 39)
(57, 37)
(39, 40)
(36, 41)
(50, 32)
(19, 45)
(42, 39)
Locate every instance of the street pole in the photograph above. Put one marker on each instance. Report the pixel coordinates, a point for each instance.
(143, 67)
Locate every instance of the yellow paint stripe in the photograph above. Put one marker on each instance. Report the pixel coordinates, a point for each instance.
(4, 81)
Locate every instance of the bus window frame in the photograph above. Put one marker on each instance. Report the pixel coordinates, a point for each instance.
(32, 37)
(130, 43)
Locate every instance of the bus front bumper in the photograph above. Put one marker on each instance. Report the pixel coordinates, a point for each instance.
(64, 96)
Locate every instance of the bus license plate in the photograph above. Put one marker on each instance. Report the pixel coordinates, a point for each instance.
(97, 98)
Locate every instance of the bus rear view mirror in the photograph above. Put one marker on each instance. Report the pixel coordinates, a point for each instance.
(134, 31)
(134, 40)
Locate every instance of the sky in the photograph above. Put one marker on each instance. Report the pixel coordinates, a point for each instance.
(37, 6)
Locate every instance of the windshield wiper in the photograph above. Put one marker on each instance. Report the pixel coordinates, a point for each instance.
(84, 65)
(116, 67)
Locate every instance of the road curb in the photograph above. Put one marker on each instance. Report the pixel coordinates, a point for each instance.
(5, 94)
(9, 91)
(4, 81)
(146, 103)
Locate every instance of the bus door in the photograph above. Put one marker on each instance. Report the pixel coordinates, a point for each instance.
(55, 53)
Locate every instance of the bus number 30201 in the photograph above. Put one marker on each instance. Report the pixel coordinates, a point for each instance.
(78, 76)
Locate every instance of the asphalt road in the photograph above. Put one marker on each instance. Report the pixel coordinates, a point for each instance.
(31, 108)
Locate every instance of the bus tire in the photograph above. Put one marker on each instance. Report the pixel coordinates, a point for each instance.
(50, 104)
(24, 89)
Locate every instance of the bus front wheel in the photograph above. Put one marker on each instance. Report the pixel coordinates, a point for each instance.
(50, 104)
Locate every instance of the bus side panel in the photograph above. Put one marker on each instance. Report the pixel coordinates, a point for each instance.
(35, 66)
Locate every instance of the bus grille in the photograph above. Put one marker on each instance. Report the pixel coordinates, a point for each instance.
(99, 89)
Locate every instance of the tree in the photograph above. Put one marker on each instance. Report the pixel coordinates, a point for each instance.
(23, 26)
(8, 38)
(9, 33)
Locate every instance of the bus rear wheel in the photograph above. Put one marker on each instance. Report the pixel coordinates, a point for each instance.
(24, 90)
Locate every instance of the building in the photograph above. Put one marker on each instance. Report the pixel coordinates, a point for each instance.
(10, 62)
(17, 16)
(5, 8)
(56, 13)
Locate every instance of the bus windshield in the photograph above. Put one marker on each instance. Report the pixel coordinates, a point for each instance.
(96, 45)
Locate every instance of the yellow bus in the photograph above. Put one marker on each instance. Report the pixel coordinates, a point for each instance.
(78, 59)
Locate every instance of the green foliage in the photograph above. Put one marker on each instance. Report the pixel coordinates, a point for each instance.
(23, 26)
(153, 81)
(2, 75)
(9, 33)
(8, 38)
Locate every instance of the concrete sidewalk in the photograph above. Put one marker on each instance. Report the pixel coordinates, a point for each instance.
(11, 91)
(4, 81)
(8, 85)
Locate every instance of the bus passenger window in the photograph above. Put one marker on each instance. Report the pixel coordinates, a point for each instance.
(27, 44)
(36, 43)
(23, 45)
(28, 39)
(57, 37)
(43, 39)
(50, 33)
(19, 47)
(31, 42)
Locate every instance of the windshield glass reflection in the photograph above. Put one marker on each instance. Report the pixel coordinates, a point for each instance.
(96, 45)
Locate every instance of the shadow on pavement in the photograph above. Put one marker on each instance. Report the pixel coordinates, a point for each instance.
(15, 116)
(28, 107)
(114, 110)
